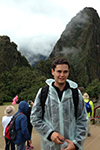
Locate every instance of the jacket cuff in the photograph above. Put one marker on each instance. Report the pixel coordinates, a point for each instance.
(76, 147)
(49, 137)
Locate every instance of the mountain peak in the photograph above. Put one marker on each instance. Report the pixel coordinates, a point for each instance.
(80, 44)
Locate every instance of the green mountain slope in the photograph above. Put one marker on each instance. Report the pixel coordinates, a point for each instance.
(80, 44)
(9, 56)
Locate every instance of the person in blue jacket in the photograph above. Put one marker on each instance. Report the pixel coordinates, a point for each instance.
(21, 125)
(59, 123)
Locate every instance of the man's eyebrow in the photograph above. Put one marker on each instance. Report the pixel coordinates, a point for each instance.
(58, 70)
(64, 70)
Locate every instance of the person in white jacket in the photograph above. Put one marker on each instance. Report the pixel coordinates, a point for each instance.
(59, 123)
(9, 111)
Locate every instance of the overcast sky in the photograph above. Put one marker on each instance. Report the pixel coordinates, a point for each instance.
(36, 25)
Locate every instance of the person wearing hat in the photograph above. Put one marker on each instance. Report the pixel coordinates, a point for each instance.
(9, 111)
(90, 110)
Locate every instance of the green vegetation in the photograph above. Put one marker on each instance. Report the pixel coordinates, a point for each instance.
(93, 89)
(7, 103)
(24, 82)
(79, 43)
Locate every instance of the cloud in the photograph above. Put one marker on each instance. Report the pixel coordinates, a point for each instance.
(71, 50)
(39, 46)
(38, 24)
(79, 20)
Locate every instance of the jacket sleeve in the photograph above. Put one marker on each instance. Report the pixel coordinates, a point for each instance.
(36, 118)
(81, 123)
(24, 127)
(92, 107)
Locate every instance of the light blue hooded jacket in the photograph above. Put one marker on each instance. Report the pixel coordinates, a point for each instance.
(59, 116)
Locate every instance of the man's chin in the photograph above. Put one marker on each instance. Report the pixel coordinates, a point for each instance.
(61, 83)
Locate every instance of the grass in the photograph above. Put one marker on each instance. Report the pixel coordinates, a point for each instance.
(6, 103)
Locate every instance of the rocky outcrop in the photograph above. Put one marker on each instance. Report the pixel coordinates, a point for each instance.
(9, 56)
(80, 44)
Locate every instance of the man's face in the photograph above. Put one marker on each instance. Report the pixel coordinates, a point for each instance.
(60, 73)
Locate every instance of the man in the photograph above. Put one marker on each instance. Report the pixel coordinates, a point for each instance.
(90, 110)
(21, 125)
(59, 122)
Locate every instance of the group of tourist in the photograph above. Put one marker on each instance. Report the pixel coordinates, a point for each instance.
(58, 121)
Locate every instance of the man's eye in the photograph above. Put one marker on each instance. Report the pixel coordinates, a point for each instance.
(59, 71)
(66, 71)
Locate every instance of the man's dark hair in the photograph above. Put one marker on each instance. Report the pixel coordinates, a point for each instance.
(59, 61)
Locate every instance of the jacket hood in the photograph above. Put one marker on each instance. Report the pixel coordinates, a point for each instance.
(23, 107)
(71, 83)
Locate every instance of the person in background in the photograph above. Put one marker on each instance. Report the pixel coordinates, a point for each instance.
(19, 100)
(9, 111)
(59, 123)
(22, 124)
(28, 119)
(90, 110)
(81, 89)
(29, 124)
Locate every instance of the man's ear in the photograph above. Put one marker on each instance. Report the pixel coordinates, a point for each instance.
(52, 71)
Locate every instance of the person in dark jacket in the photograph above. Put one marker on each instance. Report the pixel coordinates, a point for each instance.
(28, 119)
(29, 124)
(21, 124)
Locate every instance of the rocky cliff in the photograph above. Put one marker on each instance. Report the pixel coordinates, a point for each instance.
(9, 55)
(80, 44)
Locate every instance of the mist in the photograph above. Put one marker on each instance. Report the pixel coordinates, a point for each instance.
(35, 49)
(35, 26)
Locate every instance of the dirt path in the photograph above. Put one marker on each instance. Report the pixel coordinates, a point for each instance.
(91, 143)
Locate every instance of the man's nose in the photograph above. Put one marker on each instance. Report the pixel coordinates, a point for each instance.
(62, 73)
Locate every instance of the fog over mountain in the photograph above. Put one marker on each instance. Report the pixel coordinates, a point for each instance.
(38, 49)
(35, 25)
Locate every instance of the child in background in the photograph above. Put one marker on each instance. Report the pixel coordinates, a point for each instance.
(21, 125)
(9, 111)
(28, 119)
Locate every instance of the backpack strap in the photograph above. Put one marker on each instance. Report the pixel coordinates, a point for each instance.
(44, 93)
(75, 100)
(16, 117)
